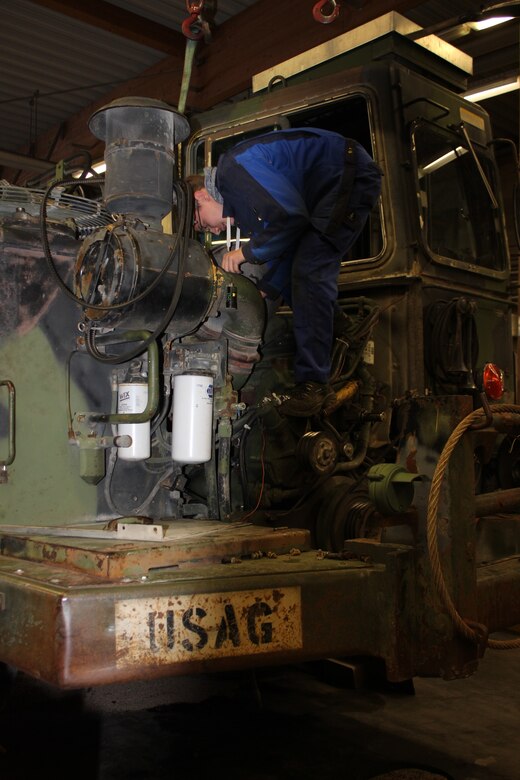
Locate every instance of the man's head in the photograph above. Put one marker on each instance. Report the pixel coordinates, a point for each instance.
(208, 204)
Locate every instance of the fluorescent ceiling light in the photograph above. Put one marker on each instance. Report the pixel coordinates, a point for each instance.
(440, 162)
(493, 89)
(99, 167)
(483, 24)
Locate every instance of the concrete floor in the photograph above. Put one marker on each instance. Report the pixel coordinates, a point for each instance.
(278, 724)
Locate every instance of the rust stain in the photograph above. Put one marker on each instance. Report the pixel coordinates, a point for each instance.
(207, 625)
(411, 462)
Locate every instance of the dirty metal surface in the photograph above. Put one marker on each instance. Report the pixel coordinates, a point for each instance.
(498, 594)
(74, 629)
(165, 629)
(427, 423)
(184, 544)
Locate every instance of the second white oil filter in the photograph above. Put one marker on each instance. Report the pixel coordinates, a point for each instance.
(192, 425)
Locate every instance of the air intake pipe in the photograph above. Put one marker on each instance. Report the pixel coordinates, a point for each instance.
(141, 135)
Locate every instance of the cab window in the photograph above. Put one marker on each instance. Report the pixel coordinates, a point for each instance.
(459, 223)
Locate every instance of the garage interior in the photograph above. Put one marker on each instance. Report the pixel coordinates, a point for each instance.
(62, 62)
(79, 57)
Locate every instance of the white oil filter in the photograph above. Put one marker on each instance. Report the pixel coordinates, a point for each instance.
(192, 425)
(132, 398)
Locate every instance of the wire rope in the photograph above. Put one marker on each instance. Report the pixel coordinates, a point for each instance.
(462, 626)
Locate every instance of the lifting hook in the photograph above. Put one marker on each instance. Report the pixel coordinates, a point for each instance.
(192, 28)
(199, 22)
(322, 17)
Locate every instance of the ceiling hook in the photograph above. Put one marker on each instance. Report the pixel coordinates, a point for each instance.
(192, 28)
(322, 17)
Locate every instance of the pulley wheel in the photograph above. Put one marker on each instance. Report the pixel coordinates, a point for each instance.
(344, 514)
(318, 451)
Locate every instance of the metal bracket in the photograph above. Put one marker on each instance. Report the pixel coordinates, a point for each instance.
(11, 452)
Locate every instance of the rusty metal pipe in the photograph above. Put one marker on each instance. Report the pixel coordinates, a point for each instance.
(507, 422)
(499, 501)
(344, 394)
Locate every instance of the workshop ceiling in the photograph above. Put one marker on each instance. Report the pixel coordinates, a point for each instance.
(60, 60)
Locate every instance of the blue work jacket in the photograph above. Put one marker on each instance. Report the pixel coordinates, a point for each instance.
(277, 185)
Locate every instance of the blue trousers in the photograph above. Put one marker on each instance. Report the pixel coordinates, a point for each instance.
(312, 278)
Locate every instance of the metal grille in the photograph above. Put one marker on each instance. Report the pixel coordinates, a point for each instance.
(87, 214)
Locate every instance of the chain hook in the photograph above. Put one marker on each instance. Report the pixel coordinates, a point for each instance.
(192, 28)
(200, 22)
(322, 17)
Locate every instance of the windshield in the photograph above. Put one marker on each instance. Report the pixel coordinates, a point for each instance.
(458, 220)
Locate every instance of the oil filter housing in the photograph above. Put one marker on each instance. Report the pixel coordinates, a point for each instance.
(192, 418)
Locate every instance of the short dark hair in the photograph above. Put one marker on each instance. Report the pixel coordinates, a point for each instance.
(196, 181)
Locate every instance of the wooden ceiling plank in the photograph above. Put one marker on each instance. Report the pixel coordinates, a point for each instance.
(251, 41)
(260, 37)
(161, 81)
(110, 18)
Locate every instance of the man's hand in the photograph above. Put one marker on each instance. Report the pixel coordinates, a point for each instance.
(233, 260)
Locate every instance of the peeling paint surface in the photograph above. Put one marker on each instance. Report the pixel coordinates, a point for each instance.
(208, 625)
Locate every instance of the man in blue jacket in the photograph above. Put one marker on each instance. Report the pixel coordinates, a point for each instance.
(302, 196)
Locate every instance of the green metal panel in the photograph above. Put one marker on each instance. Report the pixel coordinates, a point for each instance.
(43, 480)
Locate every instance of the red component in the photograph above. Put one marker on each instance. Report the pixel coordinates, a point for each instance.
(324, 18)
(192, 28)
(195, 7)
(493, 381)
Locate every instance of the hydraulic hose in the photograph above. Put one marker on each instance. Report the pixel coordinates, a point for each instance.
(367, 393)
(146, 501)
(153, 385)
(185, 199)
(52, 267)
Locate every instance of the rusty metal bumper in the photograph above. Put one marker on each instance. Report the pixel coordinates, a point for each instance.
(74, 629)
